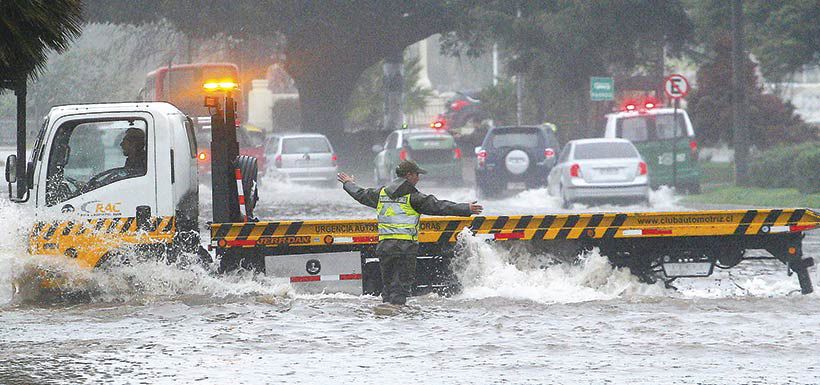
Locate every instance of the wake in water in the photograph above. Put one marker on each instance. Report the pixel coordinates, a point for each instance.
(489, 270)
(33, 279)
(143, 281)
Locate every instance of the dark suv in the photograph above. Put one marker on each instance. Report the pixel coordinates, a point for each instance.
(515, 158)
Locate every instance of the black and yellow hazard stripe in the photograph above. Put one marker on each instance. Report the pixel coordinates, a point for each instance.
(88, 240)
(444, 230)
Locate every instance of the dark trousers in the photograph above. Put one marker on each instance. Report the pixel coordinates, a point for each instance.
(398, 275)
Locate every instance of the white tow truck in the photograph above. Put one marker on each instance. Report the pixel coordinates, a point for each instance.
(96, 198)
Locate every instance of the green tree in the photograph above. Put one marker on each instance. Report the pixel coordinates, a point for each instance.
(329, 44)
(771, 121)
(366, 107)
(558, 45)
(782, 35)
(29, 29)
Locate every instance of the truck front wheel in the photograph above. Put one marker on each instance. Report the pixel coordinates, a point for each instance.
(250, 170)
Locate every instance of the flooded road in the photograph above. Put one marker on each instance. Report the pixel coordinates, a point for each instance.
(573, 323)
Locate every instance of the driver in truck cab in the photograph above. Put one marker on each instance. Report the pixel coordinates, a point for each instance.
(133, 147)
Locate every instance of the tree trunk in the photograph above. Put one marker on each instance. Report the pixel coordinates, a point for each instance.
(393, 91)
(323, 98)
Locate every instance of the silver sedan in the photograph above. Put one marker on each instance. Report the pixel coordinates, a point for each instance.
(605, 170)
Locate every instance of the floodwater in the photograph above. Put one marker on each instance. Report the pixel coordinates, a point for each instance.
(584, 323)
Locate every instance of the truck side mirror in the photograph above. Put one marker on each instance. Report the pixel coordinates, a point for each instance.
(11, 169)
(377, 148)
(143, 218)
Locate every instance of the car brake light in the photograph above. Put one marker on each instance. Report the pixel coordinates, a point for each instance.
(456, 153)
(549, 153)
(202, 156)
(278, 161)
(481, 156)
(630, 107)
(438, 124)
(642, 170)
(334, 159)
(403, 154)
(575, 170)
(693, 145)
(649, 105)
(458, 105)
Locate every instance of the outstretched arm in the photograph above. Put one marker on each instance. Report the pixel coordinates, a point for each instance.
(366, 196)
(430, 205)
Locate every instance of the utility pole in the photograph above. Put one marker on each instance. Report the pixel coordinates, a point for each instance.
(20, 88)
(740, 129)
(659, 71)
(495, 64)
(393, 90)
(519, 86)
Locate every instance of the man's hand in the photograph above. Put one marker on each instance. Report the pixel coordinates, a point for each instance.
(342, 177)
(476, 208)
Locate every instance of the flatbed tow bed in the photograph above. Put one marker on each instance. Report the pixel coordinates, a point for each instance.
(676, 244)
(98, 218)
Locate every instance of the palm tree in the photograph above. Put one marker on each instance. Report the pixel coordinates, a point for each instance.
(29, 29)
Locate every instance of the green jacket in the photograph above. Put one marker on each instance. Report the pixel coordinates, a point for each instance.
(423, 203)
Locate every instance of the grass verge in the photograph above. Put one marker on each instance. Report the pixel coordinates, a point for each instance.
(755, 196)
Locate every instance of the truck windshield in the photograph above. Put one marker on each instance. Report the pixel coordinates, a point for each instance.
(87, 155)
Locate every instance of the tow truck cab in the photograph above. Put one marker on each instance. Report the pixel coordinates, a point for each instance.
(92, 199)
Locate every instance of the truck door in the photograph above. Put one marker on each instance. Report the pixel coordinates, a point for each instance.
(99, 166)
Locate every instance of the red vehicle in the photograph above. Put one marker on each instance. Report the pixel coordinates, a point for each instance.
(183, 86)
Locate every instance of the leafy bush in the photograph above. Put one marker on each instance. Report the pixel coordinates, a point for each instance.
(788, 166)
(806, 169)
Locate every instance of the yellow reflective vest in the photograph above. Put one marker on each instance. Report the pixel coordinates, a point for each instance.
(397, 218)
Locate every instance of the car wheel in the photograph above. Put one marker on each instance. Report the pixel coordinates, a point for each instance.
(485, 192)
(565, 202)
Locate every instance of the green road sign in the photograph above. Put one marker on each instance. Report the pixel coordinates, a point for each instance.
(601, 88)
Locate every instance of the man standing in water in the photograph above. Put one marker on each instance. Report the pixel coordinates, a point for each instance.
(398, 208)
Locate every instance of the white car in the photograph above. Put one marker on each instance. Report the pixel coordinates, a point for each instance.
(302, 157)
(605, 169)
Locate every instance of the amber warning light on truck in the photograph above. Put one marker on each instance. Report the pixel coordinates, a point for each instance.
(220, 85)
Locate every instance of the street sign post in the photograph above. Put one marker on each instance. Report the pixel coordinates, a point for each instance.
(601, 88)
(676, 87)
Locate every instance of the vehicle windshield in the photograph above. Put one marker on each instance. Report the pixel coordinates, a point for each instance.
(651, 127)
(605, 150)
(91, 154)
(184, 87)
(305, 145)
(515, 137)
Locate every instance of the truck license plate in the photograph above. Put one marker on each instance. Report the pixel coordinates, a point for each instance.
(687, 269)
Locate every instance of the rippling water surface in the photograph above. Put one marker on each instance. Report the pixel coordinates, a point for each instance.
(512, 324)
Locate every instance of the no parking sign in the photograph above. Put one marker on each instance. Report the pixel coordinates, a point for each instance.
(676, 86)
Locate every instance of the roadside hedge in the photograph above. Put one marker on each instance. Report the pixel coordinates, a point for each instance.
(788, 167)
(807, 170)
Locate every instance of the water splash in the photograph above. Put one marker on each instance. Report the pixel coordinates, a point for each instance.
(488, 270)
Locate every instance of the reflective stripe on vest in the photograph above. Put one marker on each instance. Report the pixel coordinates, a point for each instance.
(397, 218)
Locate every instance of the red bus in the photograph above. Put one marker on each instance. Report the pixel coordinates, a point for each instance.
(182, 85)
